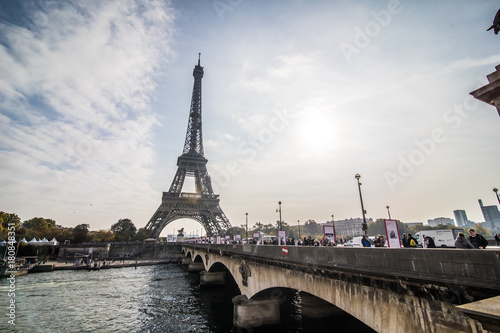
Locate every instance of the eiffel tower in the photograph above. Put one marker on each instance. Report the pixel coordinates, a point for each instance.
(202, 206)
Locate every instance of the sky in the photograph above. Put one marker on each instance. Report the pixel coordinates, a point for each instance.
(298, 97)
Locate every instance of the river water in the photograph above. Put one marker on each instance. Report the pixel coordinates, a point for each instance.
(161, 298)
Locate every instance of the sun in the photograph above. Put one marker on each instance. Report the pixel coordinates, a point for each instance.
(317, 131)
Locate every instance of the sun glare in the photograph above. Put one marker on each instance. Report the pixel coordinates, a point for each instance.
(317, 131)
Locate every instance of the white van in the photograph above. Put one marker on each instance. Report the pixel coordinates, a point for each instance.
(356, 241)
(442, 237)
(269, 239)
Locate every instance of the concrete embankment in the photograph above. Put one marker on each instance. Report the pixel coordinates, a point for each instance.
(115, 264)
(126, 250)
(111, 255)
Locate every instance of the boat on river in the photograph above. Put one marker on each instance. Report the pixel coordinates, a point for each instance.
(21, 266)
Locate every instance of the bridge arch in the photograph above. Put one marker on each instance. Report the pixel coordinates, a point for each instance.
(311, 306)
(219, 267)
(198, 258)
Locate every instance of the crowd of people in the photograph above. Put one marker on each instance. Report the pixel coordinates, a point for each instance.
(474, 241)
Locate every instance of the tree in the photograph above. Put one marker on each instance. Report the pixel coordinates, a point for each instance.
(378, 228)
(479, 229)
(258, 227)
(124, 230)
(142, 234)
(269, 228)
(80, 233)
(60, 233)
(235, 231)
(312, 228)
(39, 224)
(101, 236)
(5, 220)
(286, 227)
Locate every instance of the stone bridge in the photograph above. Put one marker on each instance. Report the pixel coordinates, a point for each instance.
(390, 290)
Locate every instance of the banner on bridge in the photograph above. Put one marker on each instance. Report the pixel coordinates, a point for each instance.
(392, 233)
(281, 237)
(329, 233)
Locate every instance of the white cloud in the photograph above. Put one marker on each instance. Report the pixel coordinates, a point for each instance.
(465, 63)
(75, 88)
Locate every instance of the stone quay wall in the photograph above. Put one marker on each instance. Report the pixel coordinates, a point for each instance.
(121, 250)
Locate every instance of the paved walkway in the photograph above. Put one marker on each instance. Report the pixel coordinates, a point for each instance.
(114, 264)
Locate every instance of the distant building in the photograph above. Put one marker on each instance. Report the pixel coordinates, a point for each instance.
(460, 218)
(440, 221)
(491, 216)
(349, 227)
(411, 224)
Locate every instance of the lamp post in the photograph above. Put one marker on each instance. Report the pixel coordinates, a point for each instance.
(333, 225)
(388, 212)
(279, 210)
(496, 192)
(365, 227)
(246, 226)
(298, 224)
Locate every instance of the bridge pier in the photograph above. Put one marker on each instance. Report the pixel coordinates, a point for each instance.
(196, 266)
(186, 260)
(212, 278)
(314, 307)
(255, 313)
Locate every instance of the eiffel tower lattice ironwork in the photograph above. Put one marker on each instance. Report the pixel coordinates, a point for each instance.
(202, 206)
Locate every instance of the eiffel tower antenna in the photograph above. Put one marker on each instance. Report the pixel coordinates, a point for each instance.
(203, 205)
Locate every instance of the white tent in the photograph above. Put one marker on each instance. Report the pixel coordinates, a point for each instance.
(44, 241)
(23, 241)
(34, 241)
(2, 243)
(54, 241)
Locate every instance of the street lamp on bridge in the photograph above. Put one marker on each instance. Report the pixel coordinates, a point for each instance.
(246, 226)
(365, 226)
(298, 224)
(279, 210)
(496, 192)
(388, 212)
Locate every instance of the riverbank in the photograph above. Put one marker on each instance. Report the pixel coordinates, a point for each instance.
(57, 265)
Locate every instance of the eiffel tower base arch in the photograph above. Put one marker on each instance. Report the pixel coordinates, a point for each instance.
(204, 209)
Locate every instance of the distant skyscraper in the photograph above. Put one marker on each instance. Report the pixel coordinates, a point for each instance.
(491, 215)
(460, 218)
